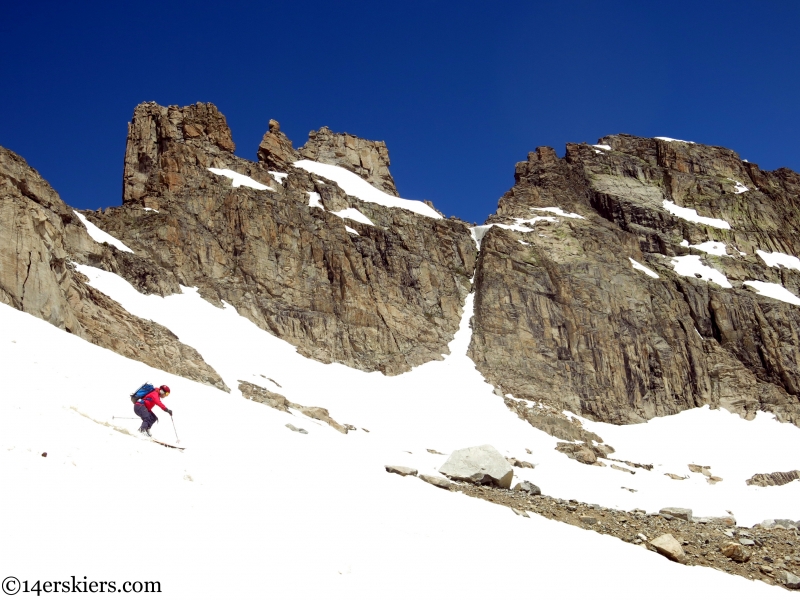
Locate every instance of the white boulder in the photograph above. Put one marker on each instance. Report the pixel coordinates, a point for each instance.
(479, 464)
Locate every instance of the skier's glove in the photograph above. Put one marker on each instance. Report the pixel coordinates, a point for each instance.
(169, 412)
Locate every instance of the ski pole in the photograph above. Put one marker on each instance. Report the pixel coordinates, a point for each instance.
(124, 417)
(177, 441)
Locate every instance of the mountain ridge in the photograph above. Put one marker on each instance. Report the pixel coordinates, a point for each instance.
(562, 317)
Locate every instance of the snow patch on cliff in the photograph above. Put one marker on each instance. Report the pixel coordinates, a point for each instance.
(690, 214)
(643, 269)
(239, 180)
(778, 259)
(690, 266)
(100, 236)
(353, 185)
(774, 290)
(354, 215)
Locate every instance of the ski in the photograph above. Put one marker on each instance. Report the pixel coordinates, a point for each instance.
(167, 444)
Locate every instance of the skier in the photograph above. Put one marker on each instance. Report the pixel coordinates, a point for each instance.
(144, 408)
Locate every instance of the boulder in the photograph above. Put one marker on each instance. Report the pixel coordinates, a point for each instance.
(400, 470)
(522, 464)
(697, 468)
(777, 524)
(747, 541)
(583, 453)
(483, 465)
(790, 580)
(528, 488)
(678, 513)
(668, 546)
(437, 481)
(735, 552)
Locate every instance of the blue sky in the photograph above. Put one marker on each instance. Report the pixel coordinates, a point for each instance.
(460, 91)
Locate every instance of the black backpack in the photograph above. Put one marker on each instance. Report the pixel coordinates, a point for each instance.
(142, 392)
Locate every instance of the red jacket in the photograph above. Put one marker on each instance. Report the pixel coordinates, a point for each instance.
(153, 399)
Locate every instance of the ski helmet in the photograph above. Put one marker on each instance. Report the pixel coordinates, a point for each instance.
(165, 389)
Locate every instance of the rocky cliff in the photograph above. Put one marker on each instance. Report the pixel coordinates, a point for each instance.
(629, 279)
(367, 159)
(564, 315)
(40, 237)
(383, 296)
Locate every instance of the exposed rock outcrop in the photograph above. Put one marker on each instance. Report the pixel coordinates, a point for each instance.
(578, 307)
(388, 298)
(39, 238)
(280, 402)
(276, 150)
(563, 318)
(368, 159)
(778, 478)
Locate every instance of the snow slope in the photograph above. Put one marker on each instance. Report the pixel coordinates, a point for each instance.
(252, 509)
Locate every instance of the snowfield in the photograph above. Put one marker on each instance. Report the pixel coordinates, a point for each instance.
(252, 509)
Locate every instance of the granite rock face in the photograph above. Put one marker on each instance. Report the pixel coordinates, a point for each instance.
(386, 296)
(276, 150)
(564, 318)
(778, 478)
(618, 282)
(365, 158)
(40, 237)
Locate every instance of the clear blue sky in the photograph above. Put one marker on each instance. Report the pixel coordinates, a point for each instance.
(460, 91)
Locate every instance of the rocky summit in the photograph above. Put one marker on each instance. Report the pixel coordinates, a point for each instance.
(630, 279)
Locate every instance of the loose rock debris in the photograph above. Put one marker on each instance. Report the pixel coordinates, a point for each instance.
(770, 555)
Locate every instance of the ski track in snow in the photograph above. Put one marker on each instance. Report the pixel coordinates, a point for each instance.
(251, 504)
